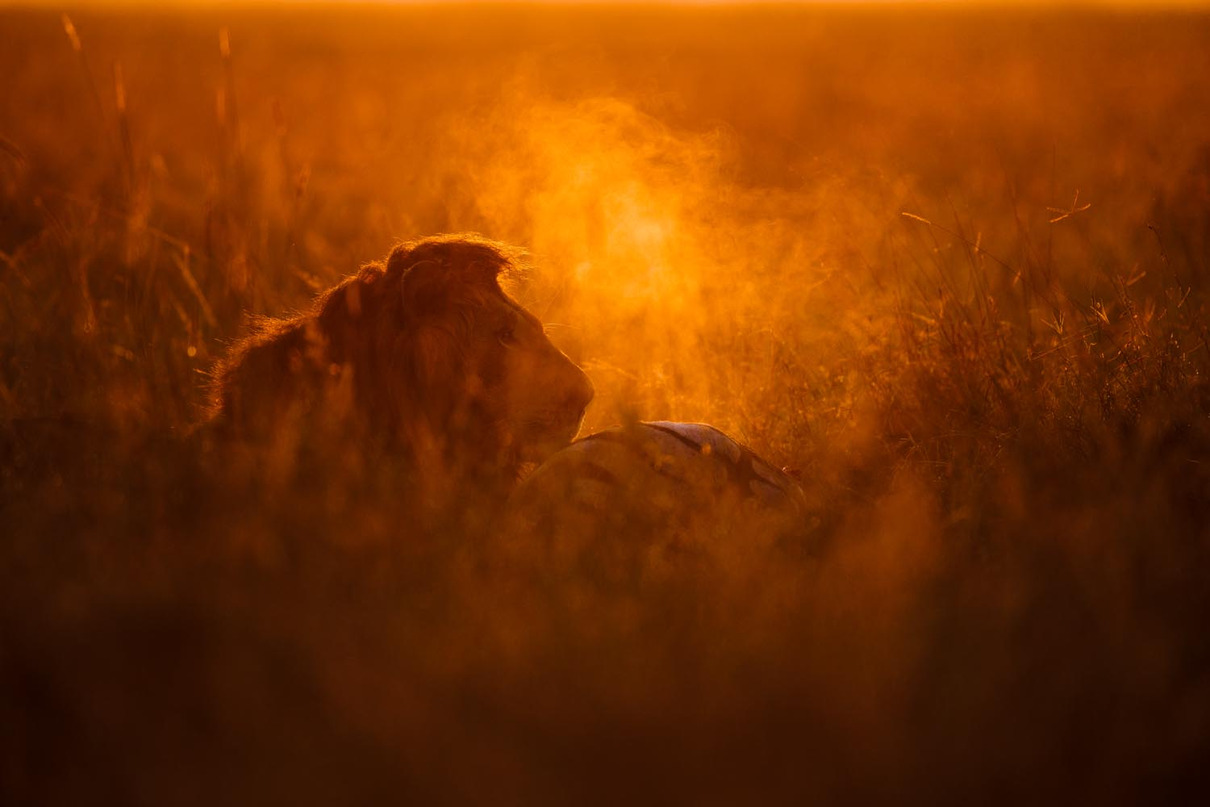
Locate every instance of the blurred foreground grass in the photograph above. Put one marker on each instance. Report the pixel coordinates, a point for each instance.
(951, 267)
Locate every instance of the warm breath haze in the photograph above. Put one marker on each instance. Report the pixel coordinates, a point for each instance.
(301, 305)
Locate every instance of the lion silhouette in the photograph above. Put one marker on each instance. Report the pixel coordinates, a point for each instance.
(422, 355)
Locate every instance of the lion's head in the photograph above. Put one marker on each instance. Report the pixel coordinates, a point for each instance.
(429, 357)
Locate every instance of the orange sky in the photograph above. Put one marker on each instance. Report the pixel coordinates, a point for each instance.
(1158, 4)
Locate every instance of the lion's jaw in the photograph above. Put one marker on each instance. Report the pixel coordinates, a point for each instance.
(545, 401)
(538, 438)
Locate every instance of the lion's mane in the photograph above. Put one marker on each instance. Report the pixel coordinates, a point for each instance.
(381, 353)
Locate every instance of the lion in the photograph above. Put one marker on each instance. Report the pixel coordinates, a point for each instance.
(423, 356)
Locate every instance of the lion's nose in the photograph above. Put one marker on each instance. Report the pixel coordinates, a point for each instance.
(581, 393)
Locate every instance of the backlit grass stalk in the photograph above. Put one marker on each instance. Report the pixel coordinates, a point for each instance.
(77, 46)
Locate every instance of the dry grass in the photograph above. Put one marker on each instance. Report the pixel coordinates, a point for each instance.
(950, 266)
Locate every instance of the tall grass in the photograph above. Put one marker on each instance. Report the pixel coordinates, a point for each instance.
(949, 268)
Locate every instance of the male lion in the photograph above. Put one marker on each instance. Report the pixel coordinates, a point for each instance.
(423, 356)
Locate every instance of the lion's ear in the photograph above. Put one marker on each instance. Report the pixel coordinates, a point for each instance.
(428, 290)
(440, 274)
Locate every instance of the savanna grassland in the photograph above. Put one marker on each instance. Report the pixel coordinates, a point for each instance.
(948, 266)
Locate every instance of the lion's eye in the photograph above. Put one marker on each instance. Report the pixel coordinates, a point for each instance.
(507, 335)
